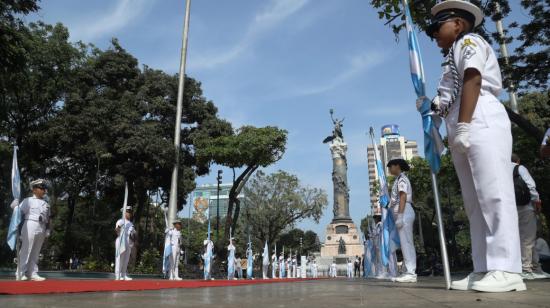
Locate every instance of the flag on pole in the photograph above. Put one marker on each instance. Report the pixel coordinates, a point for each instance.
(266, 254)
(250, 259)
(433, 143)
(167, 245)
(16, 193)
(389, 241)
(122, 243)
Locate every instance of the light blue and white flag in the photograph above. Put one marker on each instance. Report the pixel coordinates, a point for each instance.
(266, 255)
(250, 260)
(433, 143)
(167, 245)
(122, 243)
(16, 193)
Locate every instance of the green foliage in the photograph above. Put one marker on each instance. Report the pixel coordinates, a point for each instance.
(276, 202)
(150, 263)
(529, 66)
(249, 148)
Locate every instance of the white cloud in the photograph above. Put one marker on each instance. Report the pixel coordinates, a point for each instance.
(115, 18)
(357, 65)
(264, 21)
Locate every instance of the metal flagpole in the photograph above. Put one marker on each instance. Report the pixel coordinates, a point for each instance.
(172, 204)
(433, 145)
(504, 52)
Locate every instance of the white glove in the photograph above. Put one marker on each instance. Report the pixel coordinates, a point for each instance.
(14, 203)
(462, 138)
(399, 221)
(419, 102)
(435, 103)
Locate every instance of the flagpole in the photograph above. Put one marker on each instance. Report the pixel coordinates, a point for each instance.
(431, 149)
(172, 204)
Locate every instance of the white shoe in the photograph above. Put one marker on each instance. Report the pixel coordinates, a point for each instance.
(37, 278)
(499, 281)
(178, 278)
(126, 278)
(410, 278)
(541, 275)
(527, 275)
(24, 278)
(466, 283)
(171, 278)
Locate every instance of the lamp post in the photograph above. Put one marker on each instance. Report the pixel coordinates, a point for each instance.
(219, 179)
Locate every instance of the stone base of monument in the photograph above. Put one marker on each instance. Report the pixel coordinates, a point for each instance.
(342, 241)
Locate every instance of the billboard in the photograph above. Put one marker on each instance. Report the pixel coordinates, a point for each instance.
(390, 130)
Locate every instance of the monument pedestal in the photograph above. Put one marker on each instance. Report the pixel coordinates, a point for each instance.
(347, 231)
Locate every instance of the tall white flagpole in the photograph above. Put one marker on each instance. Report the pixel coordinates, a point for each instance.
(172, 204)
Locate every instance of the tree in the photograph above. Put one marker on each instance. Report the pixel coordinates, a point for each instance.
(529, 66)
(13, 43)
(276, 202)
(249, 148)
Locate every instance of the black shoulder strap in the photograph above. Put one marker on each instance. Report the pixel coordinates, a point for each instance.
(516, 171)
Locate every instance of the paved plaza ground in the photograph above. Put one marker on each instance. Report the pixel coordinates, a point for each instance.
(321, 293)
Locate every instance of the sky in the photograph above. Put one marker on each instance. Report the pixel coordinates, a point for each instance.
(277, 62)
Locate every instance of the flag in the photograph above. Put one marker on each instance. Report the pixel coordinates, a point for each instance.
(433, 144)
(16, 193)
(122, 243)
(266, 254)
(167, 253)
(389, 240)
(250, 259)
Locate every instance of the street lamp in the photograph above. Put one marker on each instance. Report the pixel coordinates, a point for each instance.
(219, 179)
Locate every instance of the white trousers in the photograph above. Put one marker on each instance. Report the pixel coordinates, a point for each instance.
(527, 235)
(32, 238)
(488, 188)
(174, 263)
(407, 240)
(121, 262)
(350, 271)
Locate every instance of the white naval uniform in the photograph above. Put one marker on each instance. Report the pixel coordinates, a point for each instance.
(36, 213)
(281, 266)
(527, 219)
(350, 269)
(289, 267)
(332, 271)
(174, 238)
(274, 266)
(402, 184)
(294, 268)
(121, 261)
(265, 265)
(314, 270)
(485, 179)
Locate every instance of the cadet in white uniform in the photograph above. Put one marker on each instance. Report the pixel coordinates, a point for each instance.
(126, 235)
(174, 237)
(527, 219)
(294, 267)
(403, 213)
(274, 265)
(314, 269)
(480, 141)
(282, 266)
(36, 214)
(350, 268)
(333, 271)
(231, 260)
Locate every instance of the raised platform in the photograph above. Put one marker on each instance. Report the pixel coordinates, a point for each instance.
(347, 231)
(79, 286)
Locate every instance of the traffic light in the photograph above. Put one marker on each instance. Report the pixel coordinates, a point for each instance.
(219, 178)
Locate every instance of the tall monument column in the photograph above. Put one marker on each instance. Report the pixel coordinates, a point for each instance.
(340, 181)
(342, 237)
